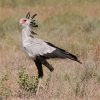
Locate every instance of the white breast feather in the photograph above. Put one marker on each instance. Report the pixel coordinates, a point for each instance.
(36, 47)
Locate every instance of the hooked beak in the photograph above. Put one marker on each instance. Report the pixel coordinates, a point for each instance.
(20, 22)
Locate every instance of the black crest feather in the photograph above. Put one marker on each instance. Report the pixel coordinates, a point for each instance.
(32, 23)
(28, 15)
(33, 16)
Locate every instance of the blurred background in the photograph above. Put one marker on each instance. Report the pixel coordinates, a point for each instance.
(73, 25)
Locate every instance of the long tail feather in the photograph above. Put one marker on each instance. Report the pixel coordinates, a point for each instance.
(61, 53)
(64, 54)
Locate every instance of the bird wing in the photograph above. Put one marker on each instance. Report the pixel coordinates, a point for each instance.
(47, 50)
(37, 47)
(60, 53)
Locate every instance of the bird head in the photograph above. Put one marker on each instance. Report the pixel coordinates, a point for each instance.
(28, 21)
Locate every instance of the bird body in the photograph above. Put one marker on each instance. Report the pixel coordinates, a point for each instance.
(39, 50)
(34, 46)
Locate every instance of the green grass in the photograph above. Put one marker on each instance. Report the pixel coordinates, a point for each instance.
(27, 83)
(19, 3)
(70, 24)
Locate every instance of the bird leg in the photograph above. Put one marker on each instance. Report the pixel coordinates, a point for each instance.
(44, 62)
(39, 85)
(40, 73)
(50, 73)
(39, 61)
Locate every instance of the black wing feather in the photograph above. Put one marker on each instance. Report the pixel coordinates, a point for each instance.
(60, 53)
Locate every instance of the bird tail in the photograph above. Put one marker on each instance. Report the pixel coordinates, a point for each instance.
(60, 53)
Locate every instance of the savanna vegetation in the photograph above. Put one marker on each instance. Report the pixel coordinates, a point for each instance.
(70, 24)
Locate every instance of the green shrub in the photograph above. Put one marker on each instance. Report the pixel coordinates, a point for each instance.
(28, 83)
(5, 92)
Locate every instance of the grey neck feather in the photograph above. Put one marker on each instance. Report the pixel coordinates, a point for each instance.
(26, 32)
(26, 35)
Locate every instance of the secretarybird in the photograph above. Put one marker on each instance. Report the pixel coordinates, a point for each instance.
(39, 50)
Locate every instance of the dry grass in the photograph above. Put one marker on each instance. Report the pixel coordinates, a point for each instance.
(72, 25)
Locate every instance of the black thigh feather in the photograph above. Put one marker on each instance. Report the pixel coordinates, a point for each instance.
(39, 67)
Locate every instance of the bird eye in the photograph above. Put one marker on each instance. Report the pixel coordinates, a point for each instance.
(24, 20)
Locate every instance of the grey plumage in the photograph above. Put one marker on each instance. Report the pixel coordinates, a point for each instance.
(40, 50)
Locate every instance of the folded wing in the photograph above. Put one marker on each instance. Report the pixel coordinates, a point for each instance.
(47, 50)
